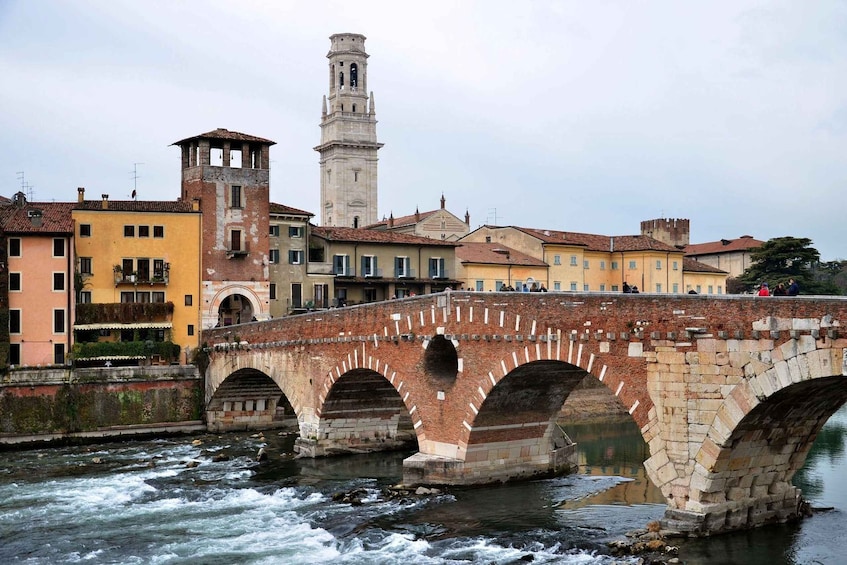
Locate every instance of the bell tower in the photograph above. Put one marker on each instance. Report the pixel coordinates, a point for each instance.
(348, 137)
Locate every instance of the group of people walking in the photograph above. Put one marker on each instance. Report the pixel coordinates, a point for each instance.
(536, 287)
(630, 289)
(793, 289)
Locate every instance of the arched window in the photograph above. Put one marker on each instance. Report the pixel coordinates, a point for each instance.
(341, 80)
(354, 75)
(356, 221)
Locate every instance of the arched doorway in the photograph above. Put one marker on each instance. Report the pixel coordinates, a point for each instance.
(235, 309)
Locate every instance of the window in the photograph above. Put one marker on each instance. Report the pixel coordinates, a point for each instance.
(85, 297)
(14, 282)
(321, 295)
(58, 247)
(369, 266)
(557, 259)
(127, 296)
(58, 281)
(585, 287)
(158, 296)
(142, 297)
(658, 264)
(658, 287)
(341, 265)
(190, 329)
(480, 285)
(14, 321)
(235, 196)
(58, 321)
(720, 289)
(296, 295)
(14, 353)
(573, 286)
(189, 299)
(614, 265)
(273, 256)
(370, 294)
(235, 240)
(295, 256)
(436, 268)
(557, 285)
(498, 285)
(275, 230)
(676, 288)
(273, 291)
(159, 231)
(573, 260)
(14, 247)
(699, 290)
(85, 265)
(602, 265)
(85, 230)
(675, 265)
(129, 231)
(632, 265)
(709, 289)
(615, 288)
(401, 267)
(295, 231)
(143, 270)
(159, 269)
(59, 353)
(143, 231)
(585, 264)
(602, 287)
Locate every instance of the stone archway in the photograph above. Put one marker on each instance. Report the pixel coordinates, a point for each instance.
(235, 309)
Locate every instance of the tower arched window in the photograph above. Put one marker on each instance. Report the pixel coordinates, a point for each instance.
(354, 75)
(356, 221)
(341, 80)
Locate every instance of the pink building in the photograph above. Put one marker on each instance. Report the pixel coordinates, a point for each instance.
(40, 267)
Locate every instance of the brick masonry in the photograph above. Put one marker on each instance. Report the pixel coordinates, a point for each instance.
(729, 392)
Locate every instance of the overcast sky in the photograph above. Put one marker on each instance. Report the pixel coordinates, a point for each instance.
(577, 116)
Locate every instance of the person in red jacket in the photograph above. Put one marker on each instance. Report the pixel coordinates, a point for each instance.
(763, 290)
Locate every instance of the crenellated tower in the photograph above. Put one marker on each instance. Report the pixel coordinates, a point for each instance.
(348, 137)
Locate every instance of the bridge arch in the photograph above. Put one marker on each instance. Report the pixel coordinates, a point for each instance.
(759, 439)
(361, 412)
(246, 399)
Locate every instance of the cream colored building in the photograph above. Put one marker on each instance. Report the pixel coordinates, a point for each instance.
(434, 224)
(730, 255)
(489, 266)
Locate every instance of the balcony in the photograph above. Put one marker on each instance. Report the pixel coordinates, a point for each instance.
(134, 278)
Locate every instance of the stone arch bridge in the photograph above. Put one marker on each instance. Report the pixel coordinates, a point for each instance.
(729, 392)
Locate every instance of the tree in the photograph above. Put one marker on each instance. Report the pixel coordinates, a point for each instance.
(781, 258)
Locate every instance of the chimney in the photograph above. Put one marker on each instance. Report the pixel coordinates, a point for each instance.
(80, 194)
(417, 216)
(105, 201)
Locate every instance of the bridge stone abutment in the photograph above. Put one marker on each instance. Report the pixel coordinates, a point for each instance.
(729, 392)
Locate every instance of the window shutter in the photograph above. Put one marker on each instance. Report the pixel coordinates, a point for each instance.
(433, 266)
(374, 268)
(441, 268)
(398, 266)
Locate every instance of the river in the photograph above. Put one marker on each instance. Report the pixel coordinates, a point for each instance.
(143, 502)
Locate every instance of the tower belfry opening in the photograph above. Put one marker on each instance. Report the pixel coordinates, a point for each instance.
(348, 137)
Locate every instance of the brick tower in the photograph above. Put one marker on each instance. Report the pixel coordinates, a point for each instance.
(670, 231)
(348, 137)
(228, 174)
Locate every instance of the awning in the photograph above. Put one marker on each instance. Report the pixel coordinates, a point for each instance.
(135, 326)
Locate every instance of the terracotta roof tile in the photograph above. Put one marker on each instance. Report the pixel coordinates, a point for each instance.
(743, 243)
(594, 242)
(694, 266)
(362, 235)
(55, 218)
(225, 134)
(494, 254)
(283, 209)
(403, 221)
(171, 206)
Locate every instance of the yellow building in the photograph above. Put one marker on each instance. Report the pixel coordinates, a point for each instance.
(589, 262)
(701, 278)
(488, 266)
(140, 255)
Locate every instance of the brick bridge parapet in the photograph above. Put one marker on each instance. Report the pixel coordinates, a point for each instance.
(728, 391)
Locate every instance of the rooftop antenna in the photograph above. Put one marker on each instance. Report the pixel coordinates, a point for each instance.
(492, 211)
(134, 174)
(26, 188)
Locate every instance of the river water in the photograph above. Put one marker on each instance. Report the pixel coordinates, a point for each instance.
(141, 502)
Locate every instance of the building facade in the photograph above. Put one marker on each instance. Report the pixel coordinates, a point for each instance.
(228, 174)
(144, 253)
(731, 255)
(39, 264)
(434, 224)
(490, 266)
(348, 148)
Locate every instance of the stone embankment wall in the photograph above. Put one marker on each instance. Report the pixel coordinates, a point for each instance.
(57, 404)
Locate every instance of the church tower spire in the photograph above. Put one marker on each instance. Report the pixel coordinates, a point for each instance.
(348, 148)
